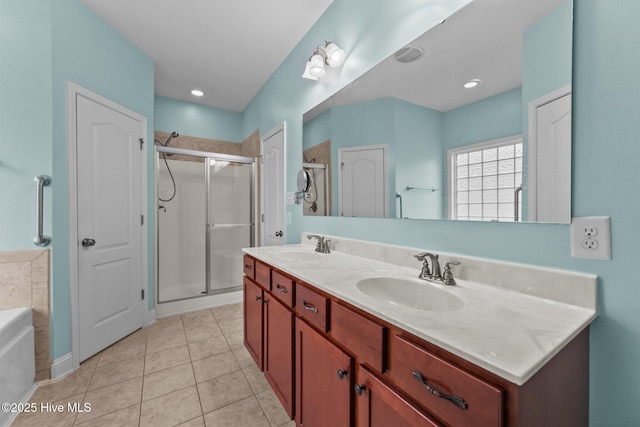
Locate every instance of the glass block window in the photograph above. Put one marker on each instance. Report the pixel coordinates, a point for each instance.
(483, 179)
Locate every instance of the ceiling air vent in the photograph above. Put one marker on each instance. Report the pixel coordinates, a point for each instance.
(408, 54)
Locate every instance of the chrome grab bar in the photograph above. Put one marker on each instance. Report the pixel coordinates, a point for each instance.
(516, 204)
(399, 196)
(41, 182)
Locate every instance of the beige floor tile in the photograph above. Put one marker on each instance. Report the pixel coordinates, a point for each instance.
(167, 325)
(164, 359)
(167, 381)
(171, 409)
(199, 322)
(235, 339)
(273, 408)
(202, 332)
(74, 384)
(112, 398)
(44, 415)
(256, 379)
(203, 314)
(127, 417)
(196, 422)
(243, 357)
(215, 366)
(120, 352)
(245, 413)
(117, 372)
(228, 312)
(91, 363)
(224, 390)
(162, 342)
(201, 349)
(290, 423)
(231, 326)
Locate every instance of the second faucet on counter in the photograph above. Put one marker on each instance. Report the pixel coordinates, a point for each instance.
(323, 245)
(445, 278)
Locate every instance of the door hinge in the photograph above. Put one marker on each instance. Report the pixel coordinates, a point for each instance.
(141, 219)
(142, 293)
(262, 217)
(141, 142)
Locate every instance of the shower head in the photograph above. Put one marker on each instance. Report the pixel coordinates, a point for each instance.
(173, 135)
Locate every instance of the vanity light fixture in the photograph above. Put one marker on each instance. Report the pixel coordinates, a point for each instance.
(325, 54)
(472, 83)
(197, 92)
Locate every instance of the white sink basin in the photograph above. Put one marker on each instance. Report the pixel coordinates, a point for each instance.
(299, 255)
(410, 293)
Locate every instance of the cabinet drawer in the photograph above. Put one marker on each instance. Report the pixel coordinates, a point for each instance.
(263, 275)
(249, 267)
(359, 334)
(312, 307)
(481, 402)
(282, 288)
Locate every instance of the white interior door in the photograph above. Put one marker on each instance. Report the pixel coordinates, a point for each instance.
(363, 181)
(550, 162)
(273, 187)
(109, 224)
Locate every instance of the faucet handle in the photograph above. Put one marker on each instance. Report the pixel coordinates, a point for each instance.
(447, 275)
(425, 273)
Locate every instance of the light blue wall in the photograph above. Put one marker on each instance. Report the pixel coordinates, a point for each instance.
(419, 150)
(606, 128)
(43, 44)
(90, 53)
(25, 118)
(196, 120)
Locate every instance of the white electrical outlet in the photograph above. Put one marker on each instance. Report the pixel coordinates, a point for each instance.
(591, 237)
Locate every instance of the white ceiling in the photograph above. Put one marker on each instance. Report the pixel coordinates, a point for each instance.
(482, 40)
(227, 48)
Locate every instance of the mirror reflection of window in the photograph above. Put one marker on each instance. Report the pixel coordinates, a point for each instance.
(486, 180)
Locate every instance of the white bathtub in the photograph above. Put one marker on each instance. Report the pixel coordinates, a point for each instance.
(17, 359)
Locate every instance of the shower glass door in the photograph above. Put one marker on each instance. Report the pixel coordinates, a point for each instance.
(181, 225)
(230, 224)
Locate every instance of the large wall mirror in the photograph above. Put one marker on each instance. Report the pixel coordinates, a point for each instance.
(408, 139)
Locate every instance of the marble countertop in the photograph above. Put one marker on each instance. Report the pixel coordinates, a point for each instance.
(508, 333)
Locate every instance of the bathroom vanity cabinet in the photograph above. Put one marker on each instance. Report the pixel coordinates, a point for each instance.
(347, 367)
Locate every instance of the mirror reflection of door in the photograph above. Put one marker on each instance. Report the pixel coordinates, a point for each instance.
(363, 177)
(550, 158)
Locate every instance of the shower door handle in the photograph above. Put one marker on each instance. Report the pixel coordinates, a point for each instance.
(86, 243)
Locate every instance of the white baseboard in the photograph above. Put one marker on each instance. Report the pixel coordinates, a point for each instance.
(62, 367)
(151, 318)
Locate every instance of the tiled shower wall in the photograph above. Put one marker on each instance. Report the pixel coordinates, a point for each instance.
(24, 282)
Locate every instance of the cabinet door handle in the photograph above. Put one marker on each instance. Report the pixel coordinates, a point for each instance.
(359, 388)
(261, 301)
(309, 307)
(248, 267)
(342, 373)
(281, 289)
(456, 400)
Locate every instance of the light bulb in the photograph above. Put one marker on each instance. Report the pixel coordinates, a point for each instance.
(335, 55)
(316, 69)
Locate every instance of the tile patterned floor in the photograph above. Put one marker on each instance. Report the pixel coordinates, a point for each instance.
(186, 370)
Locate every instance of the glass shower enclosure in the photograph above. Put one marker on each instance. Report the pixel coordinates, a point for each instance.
(205, 217)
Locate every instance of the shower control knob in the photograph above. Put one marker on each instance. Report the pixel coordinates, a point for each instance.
(279, 233)
(86, 243)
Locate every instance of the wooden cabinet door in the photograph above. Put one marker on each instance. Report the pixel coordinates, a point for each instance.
(253, 315)
(278, 351)
(323, 381)
(378, 405)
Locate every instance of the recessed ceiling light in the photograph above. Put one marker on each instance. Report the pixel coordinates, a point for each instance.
(196, 92)
(471, 83)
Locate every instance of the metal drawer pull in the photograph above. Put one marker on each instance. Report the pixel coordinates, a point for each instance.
(359, 388)
(248, 267)
(458, 401)
(342, 373)
(309, 307)
(281, 288)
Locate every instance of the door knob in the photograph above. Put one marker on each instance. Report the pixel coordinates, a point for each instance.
(279, 233)
(88, 243)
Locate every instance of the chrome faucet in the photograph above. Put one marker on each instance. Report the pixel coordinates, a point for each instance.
(323, 245)
(434, 275)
